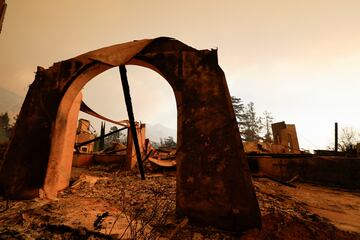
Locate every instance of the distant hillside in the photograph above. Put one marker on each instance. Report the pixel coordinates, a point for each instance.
(157, 131)
(10, 102)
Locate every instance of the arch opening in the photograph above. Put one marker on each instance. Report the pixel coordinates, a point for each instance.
(154, 108)
(152, 97)
(60, 158)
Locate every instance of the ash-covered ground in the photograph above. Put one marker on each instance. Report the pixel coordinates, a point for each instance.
(103, 203)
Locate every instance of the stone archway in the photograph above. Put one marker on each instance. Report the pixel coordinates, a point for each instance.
(213, 179)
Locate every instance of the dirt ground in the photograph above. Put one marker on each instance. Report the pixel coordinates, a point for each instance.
(103, 203)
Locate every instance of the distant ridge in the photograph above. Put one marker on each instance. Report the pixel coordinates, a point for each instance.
(10, 102)
(157, 131)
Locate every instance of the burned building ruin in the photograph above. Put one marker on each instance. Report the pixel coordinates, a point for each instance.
(213, 180)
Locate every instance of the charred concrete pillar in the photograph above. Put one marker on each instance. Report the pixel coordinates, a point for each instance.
(58, 171)
(213, 179)
(41, 149)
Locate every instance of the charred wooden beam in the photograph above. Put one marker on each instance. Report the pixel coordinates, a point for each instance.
(129, 108)
(147, 155)
(98, 138)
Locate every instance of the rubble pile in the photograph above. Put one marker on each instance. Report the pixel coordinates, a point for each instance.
(104, 203)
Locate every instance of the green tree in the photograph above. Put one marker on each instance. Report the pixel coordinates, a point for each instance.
(115, 137)
(5, 127)
(268, 120)
(167, 142)
(4, 120)
(238, 109)
(252, 124)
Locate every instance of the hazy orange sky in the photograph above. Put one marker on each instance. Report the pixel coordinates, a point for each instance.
(300, 60)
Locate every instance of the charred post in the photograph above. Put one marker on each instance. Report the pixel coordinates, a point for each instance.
(129, 108)
(336, 138)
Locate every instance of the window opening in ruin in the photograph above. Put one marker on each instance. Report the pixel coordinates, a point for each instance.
(278, 139)
(290, 145)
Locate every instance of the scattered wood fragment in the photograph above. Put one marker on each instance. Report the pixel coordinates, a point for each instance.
(181, 225)
(6, 207)
(99, 220)
(296, 177)
(147, 155)
(76, 233)
(163, 163)
(262, 175)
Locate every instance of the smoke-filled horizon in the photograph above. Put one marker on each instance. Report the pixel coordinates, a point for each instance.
(298, 60)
